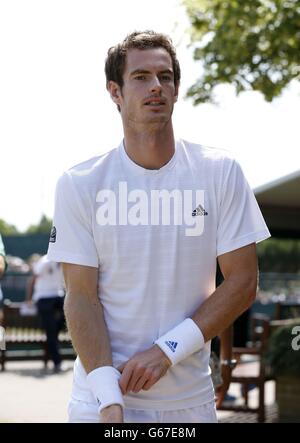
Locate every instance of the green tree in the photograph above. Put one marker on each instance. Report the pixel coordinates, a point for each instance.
(279, 255)
(251, 44)
(44, 226)
(7, 229)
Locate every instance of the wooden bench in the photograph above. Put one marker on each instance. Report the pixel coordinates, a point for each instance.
(25, 340)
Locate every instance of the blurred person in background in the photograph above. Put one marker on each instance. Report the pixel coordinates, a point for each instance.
(46, 290)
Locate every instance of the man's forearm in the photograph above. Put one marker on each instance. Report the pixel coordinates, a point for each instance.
(219, 311)
(88, 331)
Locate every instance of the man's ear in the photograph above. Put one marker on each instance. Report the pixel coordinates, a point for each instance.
(176, 93)
(114, 91)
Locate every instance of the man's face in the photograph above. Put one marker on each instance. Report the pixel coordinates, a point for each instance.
(148, 93)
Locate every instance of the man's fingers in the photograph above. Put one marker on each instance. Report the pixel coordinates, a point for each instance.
(137, 372)
(125, 378)
(142, 371)
(148, 385)
(133, 379)
(151, 381)
(140, 383)
(135, 376)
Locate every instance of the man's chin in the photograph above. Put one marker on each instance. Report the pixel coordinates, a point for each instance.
(152, 121)
(156, 124)
(157, 118)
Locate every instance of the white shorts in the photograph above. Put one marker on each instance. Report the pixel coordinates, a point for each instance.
(82, 412)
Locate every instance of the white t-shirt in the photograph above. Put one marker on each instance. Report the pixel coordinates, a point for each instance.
(49, 279)
(155, 268)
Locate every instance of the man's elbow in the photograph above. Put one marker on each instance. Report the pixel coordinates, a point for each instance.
(251, 289)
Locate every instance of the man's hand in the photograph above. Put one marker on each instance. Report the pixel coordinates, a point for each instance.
(223, 388)
(112, 414)
(143, 370)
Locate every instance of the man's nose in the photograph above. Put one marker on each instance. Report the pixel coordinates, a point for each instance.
(155, 85)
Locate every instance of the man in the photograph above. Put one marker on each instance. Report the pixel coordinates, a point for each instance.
(3, 266)
(46, 289)
(138, 231)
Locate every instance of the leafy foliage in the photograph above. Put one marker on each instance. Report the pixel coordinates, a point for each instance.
(44, 226)
(252, 44)
(277, 255)
(7, 229)
(282, 358)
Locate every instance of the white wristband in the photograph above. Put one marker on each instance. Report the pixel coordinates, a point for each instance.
(181, 341)
(104, 383)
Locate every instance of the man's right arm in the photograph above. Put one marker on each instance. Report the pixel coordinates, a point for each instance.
(86, 325)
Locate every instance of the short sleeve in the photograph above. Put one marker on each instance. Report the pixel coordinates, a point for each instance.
(71, 238)
(240, 219)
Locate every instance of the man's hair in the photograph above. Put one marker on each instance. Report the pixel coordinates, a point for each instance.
(116, 55)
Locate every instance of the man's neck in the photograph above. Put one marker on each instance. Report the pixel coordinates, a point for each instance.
(150, 150)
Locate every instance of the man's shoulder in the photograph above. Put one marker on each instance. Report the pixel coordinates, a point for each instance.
(208, 153)
(95, 163)
(89, 171)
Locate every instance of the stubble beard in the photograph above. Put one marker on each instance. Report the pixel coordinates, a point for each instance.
(150, 124)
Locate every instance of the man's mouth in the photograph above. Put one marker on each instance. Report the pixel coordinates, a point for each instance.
(154, 103)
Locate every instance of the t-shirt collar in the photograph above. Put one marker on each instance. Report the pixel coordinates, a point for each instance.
(137, 169)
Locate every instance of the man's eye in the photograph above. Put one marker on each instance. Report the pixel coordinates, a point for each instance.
(140, 77)
(166, 78)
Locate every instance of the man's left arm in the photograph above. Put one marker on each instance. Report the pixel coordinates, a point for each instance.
(233, 296)
(216, 313)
